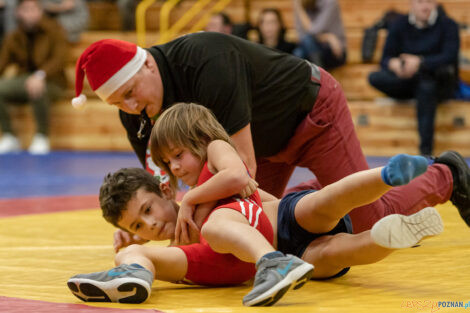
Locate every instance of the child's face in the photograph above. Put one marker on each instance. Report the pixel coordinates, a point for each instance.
(183, 164)
(149, 216)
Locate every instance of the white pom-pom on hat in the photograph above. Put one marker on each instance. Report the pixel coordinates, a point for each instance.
(79, 102)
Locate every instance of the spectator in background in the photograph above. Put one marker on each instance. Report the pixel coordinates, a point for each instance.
(321, 33)
(127, 12)
(271, 31)
(38, 48)
(220, 23)
(7, 17)
(73, 15)
(420, 61)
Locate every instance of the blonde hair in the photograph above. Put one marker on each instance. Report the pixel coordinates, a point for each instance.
(187, 125)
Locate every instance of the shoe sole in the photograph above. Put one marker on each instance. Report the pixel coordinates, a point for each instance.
(454, 159)
(297, 277)
(123, 290)
(398, 231)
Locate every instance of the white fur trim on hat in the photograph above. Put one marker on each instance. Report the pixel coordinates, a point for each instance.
(79, 102)
(123, 75)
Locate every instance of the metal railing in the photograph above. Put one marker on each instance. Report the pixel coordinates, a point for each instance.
(168, 32)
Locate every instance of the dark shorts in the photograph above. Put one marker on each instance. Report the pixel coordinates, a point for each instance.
(292, 238)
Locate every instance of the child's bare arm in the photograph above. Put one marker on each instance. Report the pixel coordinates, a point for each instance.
(230, 178)
(230, 175)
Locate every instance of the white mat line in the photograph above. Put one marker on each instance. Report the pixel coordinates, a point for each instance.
(55, 248)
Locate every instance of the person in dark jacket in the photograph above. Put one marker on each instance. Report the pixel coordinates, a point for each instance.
(420, 61)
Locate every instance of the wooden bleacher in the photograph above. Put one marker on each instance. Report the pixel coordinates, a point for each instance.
(383, 128)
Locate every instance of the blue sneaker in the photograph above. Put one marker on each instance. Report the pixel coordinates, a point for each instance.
(274, 278)
(124, 284)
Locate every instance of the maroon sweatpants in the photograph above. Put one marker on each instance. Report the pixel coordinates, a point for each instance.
(326, 143)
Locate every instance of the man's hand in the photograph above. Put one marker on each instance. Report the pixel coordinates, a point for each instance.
(411, 64)
(123, 239)
(249, 189)
(395, 65)
(185, 220)
(35, 86)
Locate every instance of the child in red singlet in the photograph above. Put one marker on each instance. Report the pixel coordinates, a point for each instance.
(189, 144)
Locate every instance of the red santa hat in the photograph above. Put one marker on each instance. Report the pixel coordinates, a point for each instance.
(108, 64)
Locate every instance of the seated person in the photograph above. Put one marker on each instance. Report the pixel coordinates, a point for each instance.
(37, 47)
(322, 38)
(219, 22)
(419, 61)
(271, 31)
(72, 15)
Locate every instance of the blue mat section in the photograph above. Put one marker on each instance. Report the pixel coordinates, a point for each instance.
(81, 173)
(59, 173)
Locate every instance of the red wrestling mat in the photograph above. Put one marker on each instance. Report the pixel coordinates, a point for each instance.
(37, 205)
(15, 305)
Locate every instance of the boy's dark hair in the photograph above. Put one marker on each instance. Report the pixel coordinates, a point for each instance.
(119, 187)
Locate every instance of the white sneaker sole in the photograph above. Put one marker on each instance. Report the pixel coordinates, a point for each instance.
(298, 277)
(123, 290)
(398, 231)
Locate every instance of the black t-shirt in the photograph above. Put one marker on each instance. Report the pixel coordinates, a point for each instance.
(240, 81)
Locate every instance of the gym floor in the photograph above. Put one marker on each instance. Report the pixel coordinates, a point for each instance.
(51, 228)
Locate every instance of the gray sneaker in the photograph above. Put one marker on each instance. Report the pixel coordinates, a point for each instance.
(124, 284)
(398, 231)
(274, 278)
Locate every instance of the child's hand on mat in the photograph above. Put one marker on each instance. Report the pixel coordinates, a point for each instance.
(249, 189)
(123, 239)
(185, 220)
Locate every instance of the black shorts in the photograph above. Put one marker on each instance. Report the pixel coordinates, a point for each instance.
(292, 238)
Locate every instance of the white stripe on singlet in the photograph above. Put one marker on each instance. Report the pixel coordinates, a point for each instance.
(242, 206)
(252, 204)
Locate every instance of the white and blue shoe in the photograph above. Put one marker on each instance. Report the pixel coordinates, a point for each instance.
(398, 231)
(275, 276)
(123, 284)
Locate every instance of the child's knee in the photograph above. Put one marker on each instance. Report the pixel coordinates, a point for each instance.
(211, 230)
(132, 250)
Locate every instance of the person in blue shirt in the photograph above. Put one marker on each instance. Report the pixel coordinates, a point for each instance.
(420, 61)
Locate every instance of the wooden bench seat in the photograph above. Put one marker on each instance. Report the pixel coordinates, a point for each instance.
(388, 129)
(96, 127)
(383, 128)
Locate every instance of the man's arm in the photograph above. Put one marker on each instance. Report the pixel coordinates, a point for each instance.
(244, 144)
